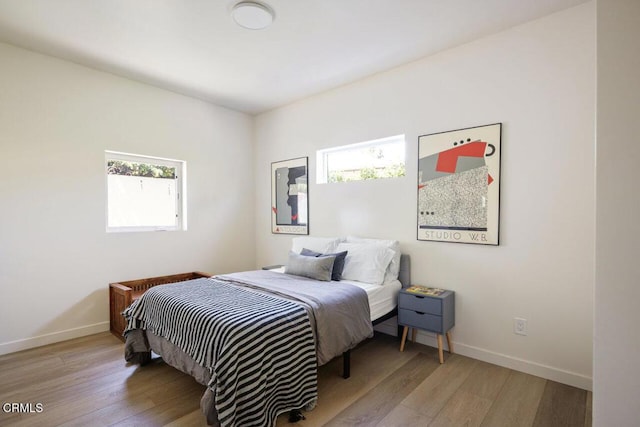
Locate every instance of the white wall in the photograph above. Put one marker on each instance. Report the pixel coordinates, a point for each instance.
(617, 294)
(56, 120)
(538, 79)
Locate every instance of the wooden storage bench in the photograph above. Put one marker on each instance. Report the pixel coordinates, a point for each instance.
(122, 294)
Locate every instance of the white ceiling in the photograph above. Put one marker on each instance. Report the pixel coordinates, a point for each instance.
(194, 47)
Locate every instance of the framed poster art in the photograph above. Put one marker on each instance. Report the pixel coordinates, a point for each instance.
(459, 185)
(290, 196)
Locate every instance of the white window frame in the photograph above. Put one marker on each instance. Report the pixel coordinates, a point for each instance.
(181, 190)
(322, 155)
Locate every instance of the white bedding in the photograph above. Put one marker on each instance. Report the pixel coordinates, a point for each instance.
(382, 298)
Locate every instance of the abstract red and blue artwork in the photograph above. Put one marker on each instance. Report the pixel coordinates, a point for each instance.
(459, 185)
(290, 196)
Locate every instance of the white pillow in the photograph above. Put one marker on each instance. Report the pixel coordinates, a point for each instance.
(324, 245)
(393, 271)
(365, 262)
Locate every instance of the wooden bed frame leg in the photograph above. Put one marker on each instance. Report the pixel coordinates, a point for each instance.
(346, 364)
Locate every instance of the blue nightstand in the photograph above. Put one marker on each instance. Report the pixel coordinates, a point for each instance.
(433, 313)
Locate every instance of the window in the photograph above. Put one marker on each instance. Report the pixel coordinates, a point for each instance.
(145, 193)
(381, 158)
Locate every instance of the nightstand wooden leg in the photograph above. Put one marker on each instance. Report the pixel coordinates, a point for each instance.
(413, 334)
(449, 342)
(440, 348)
(404, 337)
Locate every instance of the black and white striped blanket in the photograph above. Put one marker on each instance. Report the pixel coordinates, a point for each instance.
(259, 348)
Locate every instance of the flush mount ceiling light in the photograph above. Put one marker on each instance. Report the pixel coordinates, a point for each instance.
(252, 15)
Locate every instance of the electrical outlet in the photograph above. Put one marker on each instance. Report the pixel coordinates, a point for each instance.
(519, 326)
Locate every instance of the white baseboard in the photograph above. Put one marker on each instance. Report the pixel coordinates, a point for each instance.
(526, 366)
(54, 337)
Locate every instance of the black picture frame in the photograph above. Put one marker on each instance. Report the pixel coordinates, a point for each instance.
(459, 185)
(290, 196)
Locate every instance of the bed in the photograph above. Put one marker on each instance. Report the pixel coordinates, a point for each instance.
(256, 338)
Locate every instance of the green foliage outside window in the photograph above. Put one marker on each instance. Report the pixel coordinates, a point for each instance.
(119, 167)
(392, 171)
(368, 173)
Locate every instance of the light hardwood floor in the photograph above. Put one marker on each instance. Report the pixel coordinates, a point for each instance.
(85, 382)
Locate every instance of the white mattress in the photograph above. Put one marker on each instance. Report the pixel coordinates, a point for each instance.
(382, 298)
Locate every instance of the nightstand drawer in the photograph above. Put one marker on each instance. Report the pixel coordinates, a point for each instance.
(420, 320)
(420, 303)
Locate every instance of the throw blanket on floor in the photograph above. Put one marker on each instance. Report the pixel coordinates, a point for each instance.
(259, 348)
